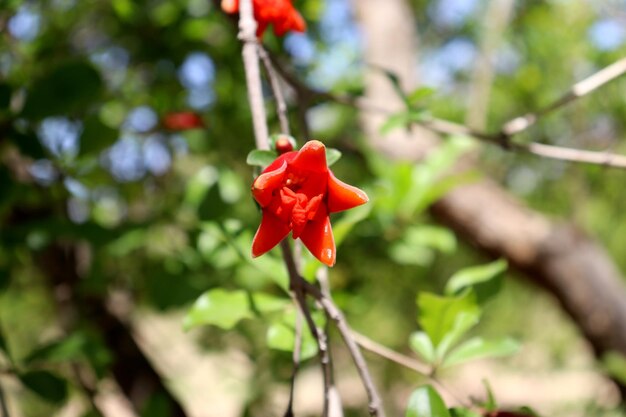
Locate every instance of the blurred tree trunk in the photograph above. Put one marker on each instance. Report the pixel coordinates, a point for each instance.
(558, 256)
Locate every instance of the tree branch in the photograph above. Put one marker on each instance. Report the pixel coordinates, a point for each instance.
(578, 90)
(509, 129)
(247, 29)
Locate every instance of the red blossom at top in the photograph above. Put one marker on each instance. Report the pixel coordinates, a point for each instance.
(279, 13)
(296, 193)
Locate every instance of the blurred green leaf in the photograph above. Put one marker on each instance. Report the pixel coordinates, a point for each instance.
(225, 309)
(220, 308)
(125, 9)
(62, 350)
(5, 275)
(485, 280)
(615, 364)
(5, 96)
(67, 89)
(47, 385)
(260, 158)
(332, 156)
(438, 315)
(423, 346)
(426, 402)
(478, 348)
(96, 136)
(281, 336)
(463, 412)
(464, 321)
(28, 144)
(348, 220)
(490, 404)
(403, 119)
(417, 96)
(158, 405)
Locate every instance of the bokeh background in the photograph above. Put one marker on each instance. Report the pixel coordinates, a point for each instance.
(113, 223)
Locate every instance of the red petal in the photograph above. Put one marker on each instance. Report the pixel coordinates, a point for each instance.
(312, 157)
(266, 183)
(271, 231)
(317, 236)
(342, 196)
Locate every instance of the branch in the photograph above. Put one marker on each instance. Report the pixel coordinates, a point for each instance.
(247, 29)
(509, 129)
(281, 105)
(383, 351)
(375, 404)
(578, 90)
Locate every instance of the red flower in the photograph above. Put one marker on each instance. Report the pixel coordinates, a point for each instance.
(183, 120)
(279, 13)
(297, 192)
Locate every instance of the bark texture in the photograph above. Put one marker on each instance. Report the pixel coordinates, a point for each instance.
(558, 256)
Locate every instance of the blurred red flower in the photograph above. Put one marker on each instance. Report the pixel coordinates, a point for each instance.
(183, 120)
(279, 13)
(296, 193)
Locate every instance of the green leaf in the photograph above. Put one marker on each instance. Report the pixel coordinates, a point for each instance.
(491, 404)
(615, 364)
(59, 351)
(47, 385)
(403, 119)
(220, 308)
(225, 309)
(426, 402)
(5, 96)
(346, 223)
(438, 315)
(96, 136)
(417, 96)
(332, 156)
(435, 237)
(423, 346)
(477, 348)
(267, 303)
(260, 158)
(67, 89)
(463, 322)
(395, 81)
(485, 280)
(463, 412)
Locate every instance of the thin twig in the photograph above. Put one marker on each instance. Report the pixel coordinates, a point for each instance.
(247, 29)
(383, 351)
(578, 90)
(298, 289)
(375, 404)
(405, 361)
(281, 104)
(297, 345)
(510, 129)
